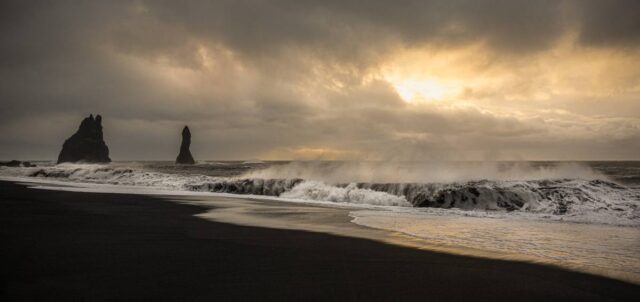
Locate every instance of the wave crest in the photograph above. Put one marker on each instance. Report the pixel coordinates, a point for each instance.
(557, 197)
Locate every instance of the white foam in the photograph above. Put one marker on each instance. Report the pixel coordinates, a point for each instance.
(314, 190)
(586, 201)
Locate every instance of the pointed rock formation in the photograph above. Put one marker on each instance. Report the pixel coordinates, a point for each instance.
(87, 144)
(185, 156)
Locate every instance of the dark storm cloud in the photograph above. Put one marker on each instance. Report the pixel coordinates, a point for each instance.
(610, 23)
(274, 64)
(357, 30)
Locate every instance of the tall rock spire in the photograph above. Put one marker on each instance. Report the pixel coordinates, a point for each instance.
(185, 156)
(87, 144)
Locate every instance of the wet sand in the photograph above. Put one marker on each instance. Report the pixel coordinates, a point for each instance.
(59, 245)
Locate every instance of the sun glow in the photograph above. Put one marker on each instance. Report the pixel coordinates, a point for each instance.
(427, 76)
(414, 90)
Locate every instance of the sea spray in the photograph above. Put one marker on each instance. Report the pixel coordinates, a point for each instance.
(549, 192)
(422, 172)
(314, 190)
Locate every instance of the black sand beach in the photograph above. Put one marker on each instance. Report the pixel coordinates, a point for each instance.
(69, 246)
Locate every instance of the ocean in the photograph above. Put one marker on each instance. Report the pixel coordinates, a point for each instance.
(579, 215)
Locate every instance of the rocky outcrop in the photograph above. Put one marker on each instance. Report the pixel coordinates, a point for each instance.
(87, 144)
(185, 156)
(13, 163)
(17, 163)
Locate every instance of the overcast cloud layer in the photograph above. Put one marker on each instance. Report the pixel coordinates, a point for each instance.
(402, 80)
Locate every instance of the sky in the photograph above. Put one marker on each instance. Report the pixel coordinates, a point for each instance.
(325, 79)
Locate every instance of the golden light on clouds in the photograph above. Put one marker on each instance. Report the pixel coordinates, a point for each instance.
(422, 90)
(333, 79)
(310, 153)
(475, 74)
(430, 74)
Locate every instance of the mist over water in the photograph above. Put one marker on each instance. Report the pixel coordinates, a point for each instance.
(569, 191)
(425, 172)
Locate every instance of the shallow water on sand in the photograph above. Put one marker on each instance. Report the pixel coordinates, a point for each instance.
(607, 250)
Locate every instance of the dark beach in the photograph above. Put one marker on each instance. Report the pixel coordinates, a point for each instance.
(70, 246)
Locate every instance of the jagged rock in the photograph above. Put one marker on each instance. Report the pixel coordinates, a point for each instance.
(185, 156)
(87, 144)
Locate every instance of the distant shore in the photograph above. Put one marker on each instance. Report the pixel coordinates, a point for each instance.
(59, 245)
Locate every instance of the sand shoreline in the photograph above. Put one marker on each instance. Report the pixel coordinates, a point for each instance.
(564, 245)
(98, 246)
(345, 219)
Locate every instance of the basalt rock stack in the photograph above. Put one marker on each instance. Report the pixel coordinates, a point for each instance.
(185, 157)
(87, 144)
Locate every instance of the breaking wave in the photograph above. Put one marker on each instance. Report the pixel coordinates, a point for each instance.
(423, 172)
(586, 199)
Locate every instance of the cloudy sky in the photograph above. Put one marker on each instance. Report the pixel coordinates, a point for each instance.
(325, 79)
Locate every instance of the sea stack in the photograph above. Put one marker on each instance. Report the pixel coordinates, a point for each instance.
(87, 144)
(185, 156)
